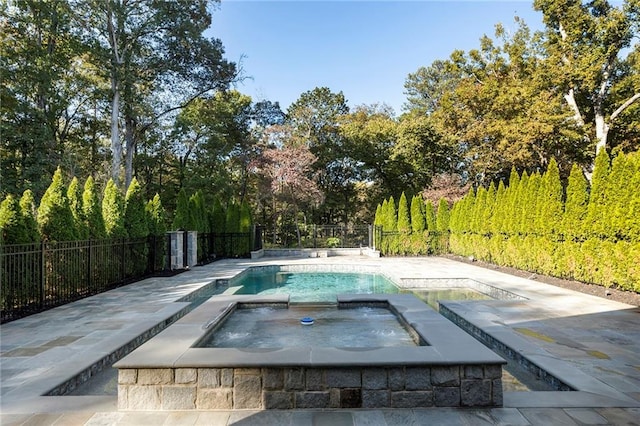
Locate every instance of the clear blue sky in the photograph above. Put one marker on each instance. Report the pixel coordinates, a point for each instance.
(365, 49)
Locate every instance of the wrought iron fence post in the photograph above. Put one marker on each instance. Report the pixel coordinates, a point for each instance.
(43, 280)
(89, 249)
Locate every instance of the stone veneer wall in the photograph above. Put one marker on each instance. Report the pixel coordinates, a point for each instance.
(309, 387)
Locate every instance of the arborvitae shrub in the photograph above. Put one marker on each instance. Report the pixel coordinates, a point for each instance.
(135, 216)
(430, 216)
(28, 212)
(632, 221)
(74, 194)
(519, 206)
(593, 225)
(442, 216)
(512, 203)
(156, 216)
(92, 211)
(181, 216)
(218, 217)
(245, 217)
(233, 218)
(113, 211)
(12, 227)
(418, 223)
(531, 222)
(404, 221)
(619, 197)
(575, 207)
(55, 219)
(477, 212)
(489, 209)
(497, 223)
(550, 208)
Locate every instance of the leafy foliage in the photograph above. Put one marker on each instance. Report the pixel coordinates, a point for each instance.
(113, 211)
(92, 210)
(55, 219)
(135, 216)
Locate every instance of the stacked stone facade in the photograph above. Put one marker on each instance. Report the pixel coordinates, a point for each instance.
(309, 387)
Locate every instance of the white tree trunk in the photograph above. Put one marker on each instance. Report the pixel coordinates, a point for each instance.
(602, 130)
(129, 132)
(116, 146)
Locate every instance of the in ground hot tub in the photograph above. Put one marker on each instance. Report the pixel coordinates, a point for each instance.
(440, 366)
(348, 325)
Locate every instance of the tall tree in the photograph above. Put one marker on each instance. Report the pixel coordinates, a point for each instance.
(314, 119)
(40, 91)
(141, 46)
(591, 60)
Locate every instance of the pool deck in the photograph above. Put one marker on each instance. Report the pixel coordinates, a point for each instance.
(592, 343)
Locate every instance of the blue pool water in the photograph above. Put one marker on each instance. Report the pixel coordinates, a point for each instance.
(314, 286)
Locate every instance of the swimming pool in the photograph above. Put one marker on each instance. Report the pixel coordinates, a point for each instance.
(313, 286)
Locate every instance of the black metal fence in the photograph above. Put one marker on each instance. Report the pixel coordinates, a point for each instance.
(317, 236)
(225, 245)
(37, 277)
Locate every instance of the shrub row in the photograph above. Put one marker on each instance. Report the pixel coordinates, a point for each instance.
(75, 213)
(590, 233)
(415, 230)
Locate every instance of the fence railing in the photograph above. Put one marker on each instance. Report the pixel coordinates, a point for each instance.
(37, 277)
(317, 236)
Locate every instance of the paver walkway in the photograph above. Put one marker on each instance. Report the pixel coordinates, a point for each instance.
(592, 343)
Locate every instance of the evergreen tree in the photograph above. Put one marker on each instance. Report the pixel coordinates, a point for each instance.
(28, 212)
(181, 216)
(12, 227)
(489, 210)
(113, 211)
(135, 216)
(497, 224)
(477, 212)
(632, 220)
(531, 222)
(377, 218)
(430, 215)
(619, 196)
(442, 216)
(218, 217)
(198, 216)
(575, 207)
(156, 216)
(404, 221)
(597, 208)
(55, 219)
(550, 199)
(233, 218)
(392, 215)
(74, 194)
(523, 203)
(511, 203)
(245, 217)
(92, 211)
(418, 223)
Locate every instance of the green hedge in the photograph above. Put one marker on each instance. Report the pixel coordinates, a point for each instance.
(581, 232)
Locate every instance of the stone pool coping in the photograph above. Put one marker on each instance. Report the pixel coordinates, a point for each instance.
(451, 370)
(447, 344)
